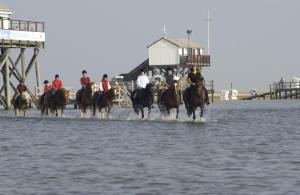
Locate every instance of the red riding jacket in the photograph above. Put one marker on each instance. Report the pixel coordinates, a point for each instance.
(105, 85)
(85, 81)
(47, 87)
(56, 84)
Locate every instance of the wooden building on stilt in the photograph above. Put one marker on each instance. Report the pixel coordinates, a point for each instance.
(16, 38)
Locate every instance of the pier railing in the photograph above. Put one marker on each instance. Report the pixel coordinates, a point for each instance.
(202, 60)
(22, 25)
(284, 90)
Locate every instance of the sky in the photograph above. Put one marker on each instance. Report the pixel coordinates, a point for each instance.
(253, 42)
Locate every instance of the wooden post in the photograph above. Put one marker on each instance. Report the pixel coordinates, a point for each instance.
(22, 55)
(37, 68)
(7, 83)
(212, 91)
(270, 92)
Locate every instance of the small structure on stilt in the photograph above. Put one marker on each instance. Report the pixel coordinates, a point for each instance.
(16, 38)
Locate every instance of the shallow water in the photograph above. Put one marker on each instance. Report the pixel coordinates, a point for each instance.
(250, 147)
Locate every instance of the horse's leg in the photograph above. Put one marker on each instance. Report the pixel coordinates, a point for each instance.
(16, 111)
(62, 111)
(202, 110)
(109, 111)
(81, 110)
(56, 112)
(194, 115)
(24, 112)
(106, 112)
(149, 110)
(142, 110)
(94, 110)
(177, 111)
(91, 111)
(168, 112)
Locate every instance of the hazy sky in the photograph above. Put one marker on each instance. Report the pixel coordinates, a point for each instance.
(253, 42)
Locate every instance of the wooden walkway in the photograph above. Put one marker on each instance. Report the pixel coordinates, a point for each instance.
(279, 90)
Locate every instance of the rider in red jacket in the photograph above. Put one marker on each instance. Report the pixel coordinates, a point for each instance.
(56, 83)
(104, 84)
(84, 80)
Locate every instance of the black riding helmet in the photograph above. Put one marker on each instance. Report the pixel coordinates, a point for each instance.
(84, 71)
(56, 76)
(105, 76)
(46, 81)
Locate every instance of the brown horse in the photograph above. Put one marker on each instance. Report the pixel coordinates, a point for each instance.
(104, 100)
(84, 98)
(170, 98)
(54, 101)
(22, 103)
(142, 98)
(194, 97)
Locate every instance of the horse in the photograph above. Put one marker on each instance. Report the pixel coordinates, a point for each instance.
(104, 100)
(194, 97)
(143, 98)
(54, 101)
(170, 98)
(22, 103)
(84, 98)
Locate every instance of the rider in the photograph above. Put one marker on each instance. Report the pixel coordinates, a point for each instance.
(104, 84)
(141, 82)
(84, 80)
(47, 88)
(169, 80)
(56, 84)
(195, 76)
(20, 89)
(169, 77)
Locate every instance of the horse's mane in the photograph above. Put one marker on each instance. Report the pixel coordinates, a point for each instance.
(110, 93)
(61, 91)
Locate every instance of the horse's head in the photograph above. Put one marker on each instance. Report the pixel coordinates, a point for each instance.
(114, 90)
(199, 87)
(175, 86)
(149, 87)
(25, 97)
(63, 95)
(91, 87)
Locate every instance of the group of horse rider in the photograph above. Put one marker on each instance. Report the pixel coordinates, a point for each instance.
(142, 80)
(85, 81)
(193, 78)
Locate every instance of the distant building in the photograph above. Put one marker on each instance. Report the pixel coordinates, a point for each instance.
(176, 53)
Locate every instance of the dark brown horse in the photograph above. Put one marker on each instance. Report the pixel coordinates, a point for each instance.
(22, 103)
(104, 100)
(54, 101)
(170, 98)
(193, 98)
(84, 98)
(142, 98)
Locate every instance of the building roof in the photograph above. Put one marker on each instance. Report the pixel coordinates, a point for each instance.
(5, 11)
(4, 8)
(183, 43)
